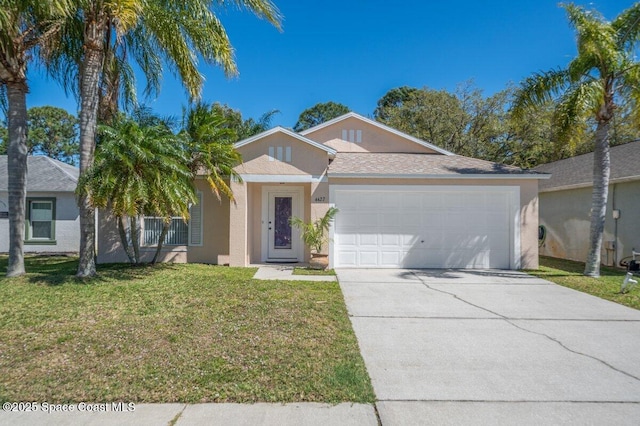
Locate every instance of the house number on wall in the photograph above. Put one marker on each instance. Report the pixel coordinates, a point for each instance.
(319, 199)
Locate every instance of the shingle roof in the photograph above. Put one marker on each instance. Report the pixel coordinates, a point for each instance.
(44, 174)
(576, 172)
(403, 164)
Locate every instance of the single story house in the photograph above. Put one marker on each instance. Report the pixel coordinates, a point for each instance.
(52, 217)
(565, 206)
(402, 203)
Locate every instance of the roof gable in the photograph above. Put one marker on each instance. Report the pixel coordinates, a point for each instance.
(353, 115)
(44, 174)
(279, 129)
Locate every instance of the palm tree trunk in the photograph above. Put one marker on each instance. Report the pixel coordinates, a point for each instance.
(90, 72)
(163, 234)
(601, 171)
(135, 238)
(123, 238)
(17, 162)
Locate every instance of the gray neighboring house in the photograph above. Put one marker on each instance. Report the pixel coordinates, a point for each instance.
(565, 205)
(53, 221)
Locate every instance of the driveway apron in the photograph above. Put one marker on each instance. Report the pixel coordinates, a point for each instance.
(493, 347)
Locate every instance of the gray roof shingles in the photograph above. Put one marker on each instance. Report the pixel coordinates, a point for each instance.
(403, 164)
(44, 174)
(578, 171)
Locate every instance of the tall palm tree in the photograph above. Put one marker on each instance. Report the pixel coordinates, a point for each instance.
(209, 143)
(172, 32)
(140, 169)
(24, 27)
(604, 71)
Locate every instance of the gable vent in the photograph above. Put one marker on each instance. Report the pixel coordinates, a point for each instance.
(352, 135)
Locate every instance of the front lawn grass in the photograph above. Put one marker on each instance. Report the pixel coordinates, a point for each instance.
(309, 271)
(569, 274)
(174, 333)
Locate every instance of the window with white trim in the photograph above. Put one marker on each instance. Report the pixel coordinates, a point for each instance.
(178, 234)
(40, 224)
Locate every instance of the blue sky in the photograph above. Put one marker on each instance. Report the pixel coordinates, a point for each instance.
(354, 51)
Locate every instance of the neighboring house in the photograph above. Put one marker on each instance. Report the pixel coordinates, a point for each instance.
(565, 206)
(402, 203)
(52, 219)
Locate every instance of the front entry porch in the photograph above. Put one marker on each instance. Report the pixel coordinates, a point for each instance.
(259, 230)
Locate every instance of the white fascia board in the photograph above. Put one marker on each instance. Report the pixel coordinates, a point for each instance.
(283, 178)
(380, 126)
(419, 176)
(287, 132)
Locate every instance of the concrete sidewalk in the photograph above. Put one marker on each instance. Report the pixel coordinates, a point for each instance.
(285, 272)
(450, 347)
(305, 414)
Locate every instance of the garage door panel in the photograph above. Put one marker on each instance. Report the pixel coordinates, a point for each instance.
(390, 219)
(390, 258)
(370, 240)
(368, 258)
(369, 200)
(394, 240)
(423, 228)
(346, 258)
(343, 240)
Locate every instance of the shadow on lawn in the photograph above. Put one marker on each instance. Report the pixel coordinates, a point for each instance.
(58, 270)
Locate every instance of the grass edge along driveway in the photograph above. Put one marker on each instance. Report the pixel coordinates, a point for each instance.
(174, 333)
(568, 273)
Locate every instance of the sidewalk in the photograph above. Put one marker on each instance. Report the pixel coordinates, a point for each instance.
(285, 272)
(305, 414)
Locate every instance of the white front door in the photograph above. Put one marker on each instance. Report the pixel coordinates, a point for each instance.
(283, 240)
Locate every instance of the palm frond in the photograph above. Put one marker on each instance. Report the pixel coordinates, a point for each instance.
(627, 27)
(539, 89)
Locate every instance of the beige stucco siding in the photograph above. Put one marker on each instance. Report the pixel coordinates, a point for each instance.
(565, 215)
(215, 236)
(374, 139)
(528, 205)
(305, 158)
(215, 227)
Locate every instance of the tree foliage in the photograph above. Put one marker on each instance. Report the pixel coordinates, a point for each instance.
(604, 75)
(53, 132)
(101, 37)
(208, 141)
(318, 114)
(141, 168)
(26, 26)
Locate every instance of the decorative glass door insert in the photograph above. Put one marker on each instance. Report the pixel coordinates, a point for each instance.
(282, 227)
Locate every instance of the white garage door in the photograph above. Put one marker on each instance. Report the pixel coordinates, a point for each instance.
(425, 227)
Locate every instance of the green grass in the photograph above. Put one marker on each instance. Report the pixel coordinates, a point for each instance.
(309, 271)
(174, 333)
(569, 274)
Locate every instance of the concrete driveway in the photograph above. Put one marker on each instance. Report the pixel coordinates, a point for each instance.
(493, 347)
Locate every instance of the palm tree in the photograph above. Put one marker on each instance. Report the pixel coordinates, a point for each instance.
(604, 71)
(177, 33)
(140, 169)
(209, 143)
(24, 27)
